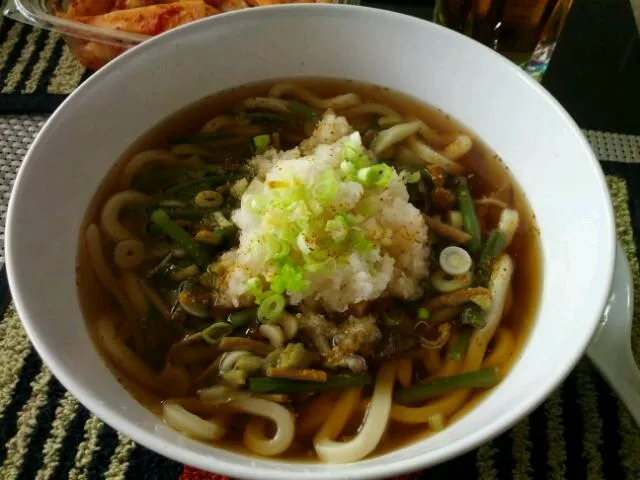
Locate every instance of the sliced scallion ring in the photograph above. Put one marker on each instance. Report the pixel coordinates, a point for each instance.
(455, 260)
(271, 308)
(261, 143)
(378, 175)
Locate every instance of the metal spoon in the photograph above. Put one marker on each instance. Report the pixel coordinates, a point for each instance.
(610, 349)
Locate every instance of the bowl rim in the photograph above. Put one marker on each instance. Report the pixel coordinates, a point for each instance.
(183, 454)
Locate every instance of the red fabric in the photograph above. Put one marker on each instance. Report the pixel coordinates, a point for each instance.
(190, 473)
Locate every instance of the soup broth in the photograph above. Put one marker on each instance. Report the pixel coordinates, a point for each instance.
(252, 298)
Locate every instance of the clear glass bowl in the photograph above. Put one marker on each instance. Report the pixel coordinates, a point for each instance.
(92, 46)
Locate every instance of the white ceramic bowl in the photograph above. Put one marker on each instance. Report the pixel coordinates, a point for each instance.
(515, 116)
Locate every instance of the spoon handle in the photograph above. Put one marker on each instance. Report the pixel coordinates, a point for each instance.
(624, 377)
(610, 348)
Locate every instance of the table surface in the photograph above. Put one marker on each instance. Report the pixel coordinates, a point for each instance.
(595, 70)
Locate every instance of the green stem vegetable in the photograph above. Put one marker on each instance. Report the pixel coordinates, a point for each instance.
(215, 332)
(470, 221)
(189, 213)
(286, 386)
(181, 237)
(203, 183)
(494, 246)
(461, 344)
(473, 315)
(267, 117)
(243, 317)
(200, 137)
(307, 112)
(271, 308)
(483, 378)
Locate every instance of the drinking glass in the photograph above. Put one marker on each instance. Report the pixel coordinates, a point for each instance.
(525, 31)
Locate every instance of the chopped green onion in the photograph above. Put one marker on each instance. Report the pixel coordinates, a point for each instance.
(271, 308)
(238, 188)
(302, 244)
(360, 242)
(366, 207)
(290, 277)
(338, 228)
(470, 221)
(326, 189)
(353, 155)
(221, 220)
(378, 175)
(181, 237)
(215, 332)
(348, 168)
(455, 260)
(483, 378)
(410, 177)
(242, 317)
(254, 286)
(208, 199)
(423, 313)
(285, 386)
(276, 247)
(261, 143)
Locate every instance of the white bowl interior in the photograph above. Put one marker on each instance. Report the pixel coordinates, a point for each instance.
(517, 118)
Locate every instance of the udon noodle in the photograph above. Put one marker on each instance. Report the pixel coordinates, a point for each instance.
(320, 270)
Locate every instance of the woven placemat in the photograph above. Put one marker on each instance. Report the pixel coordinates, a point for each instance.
(581, 432)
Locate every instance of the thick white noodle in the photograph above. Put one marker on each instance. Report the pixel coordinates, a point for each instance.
(124, 358)
(275, 104)
(110, 215)
(254, 438)
(391, 136)
(289, 324)
(273, 333)
(190, 424)
(499, 286)
(143, 160)
(338, 102)
(429, 155)
(458, 148)
(372, 428)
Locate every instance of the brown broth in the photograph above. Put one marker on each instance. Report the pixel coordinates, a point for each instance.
(489, 174)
